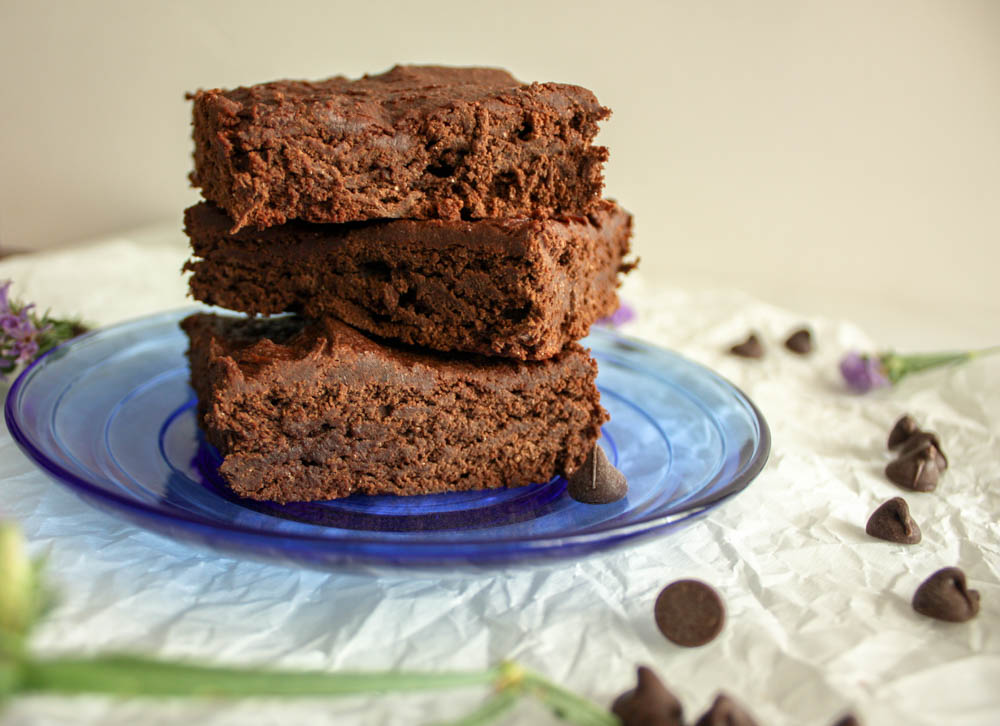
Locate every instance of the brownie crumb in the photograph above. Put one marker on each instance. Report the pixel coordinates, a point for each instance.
(944, 596)
(689, 613)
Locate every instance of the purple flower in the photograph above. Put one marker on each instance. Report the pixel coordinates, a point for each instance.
(863, 372)
(24, 335)
(17, 325)
(622, 315)
(19, 332)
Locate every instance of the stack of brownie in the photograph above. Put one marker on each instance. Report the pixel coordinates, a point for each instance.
(440, 240)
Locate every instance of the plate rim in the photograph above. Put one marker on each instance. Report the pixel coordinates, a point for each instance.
(533, 543)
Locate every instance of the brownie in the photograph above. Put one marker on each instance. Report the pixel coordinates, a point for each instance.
(512, 288)
(417, 142)
(313, 410)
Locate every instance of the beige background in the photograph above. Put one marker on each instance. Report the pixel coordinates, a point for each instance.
(839, 157)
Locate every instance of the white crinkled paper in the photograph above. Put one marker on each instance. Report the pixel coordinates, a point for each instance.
(819, 617)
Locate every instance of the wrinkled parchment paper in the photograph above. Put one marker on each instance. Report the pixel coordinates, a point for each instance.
(819, 617)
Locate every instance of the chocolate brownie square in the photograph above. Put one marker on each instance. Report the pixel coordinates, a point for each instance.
(314, 410)
(417, 142)
(513, 288)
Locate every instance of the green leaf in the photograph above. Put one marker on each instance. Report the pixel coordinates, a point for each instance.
(60, 331)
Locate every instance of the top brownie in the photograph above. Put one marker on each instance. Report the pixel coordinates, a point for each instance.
(417, 142)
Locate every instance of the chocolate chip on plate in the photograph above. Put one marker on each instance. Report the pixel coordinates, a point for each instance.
(905, 427)
(944, 596)
(725, 712)
(920, 439)
(917, 470)
(749, 348)
(892, 522)
(848, 720)
(650, 703)
(597, 481)
(800, 341)
(689, 613)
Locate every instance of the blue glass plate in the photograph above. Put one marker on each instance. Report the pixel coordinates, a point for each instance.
(111, 415)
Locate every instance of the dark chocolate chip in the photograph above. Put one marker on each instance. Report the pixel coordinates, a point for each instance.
(649, 703)
(597, 481)
(905, 428)
(917, 471)
(801, 341)
(725, 712)
(749, 348)
(944, 596)
(892, 522)
(848, 720)
(689, 613)
(921, 439)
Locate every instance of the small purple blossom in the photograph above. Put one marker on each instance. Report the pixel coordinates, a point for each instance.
(19, 332)
(862, 373)
(624, 314)
(17, 324)
(25, 335)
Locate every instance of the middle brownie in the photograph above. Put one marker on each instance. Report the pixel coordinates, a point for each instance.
(513, 288)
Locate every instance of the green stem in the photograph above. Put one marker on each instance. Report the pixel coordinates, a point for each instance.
(897, 366)
(134, 676)
(922, 361)
(567, 705)
(11, 645)
(9, 674)
(125, 675)
(984, 351)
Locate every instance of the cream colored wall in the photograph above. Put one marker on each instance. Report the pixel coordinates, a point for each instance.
(806, 151)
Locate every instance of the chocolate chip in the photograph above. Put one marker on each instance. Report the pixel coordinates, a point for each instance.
(905, 428)
(725, 712)
(892, 522)
(649, 703)
(944, 596)
(749, 348)
(800, 341)
(921, 439)
(597, 481)
(689, 613)
(848, 720)
(917, 471)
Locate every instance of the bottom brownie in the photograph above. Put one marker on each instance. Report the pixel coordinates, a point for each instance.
(305, 411)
